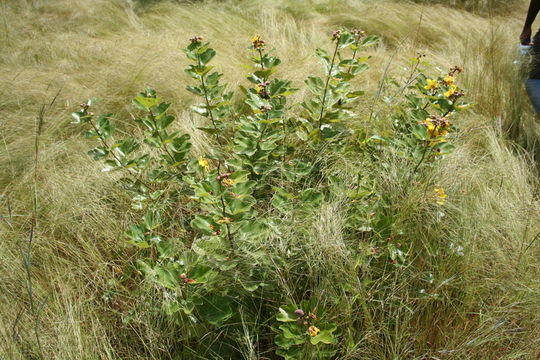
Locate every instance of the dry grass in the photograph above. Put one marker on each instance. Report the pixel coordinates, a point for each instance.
(111, 49)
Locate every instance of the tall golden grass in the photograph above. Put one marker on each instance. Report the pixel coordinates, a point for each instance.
(71, 50)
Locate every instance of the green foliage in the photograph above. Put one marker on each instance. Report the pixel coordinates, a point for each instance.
(204, 218)
(425, 119)
(305, 331)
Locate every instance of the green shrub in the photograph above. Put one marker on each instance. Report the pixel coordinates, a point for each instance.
(205, 219)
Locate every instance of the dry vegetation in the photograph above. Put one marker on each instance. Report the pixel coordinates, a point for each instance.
(58, 53)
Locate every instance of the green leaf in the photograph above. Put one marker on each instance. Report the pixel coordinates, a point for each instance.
(244, 188)
(278, 87)
(145, 103)
(326, 335)
(165, 121)
(254, 228)
(126, 146)
(444, 148)
(354, 94)
(216, 309)
(344, 76)
(286, 343)
(312, 196)
(106, 129)
(201, 273)
(213, 79)
(370, 41)
(270, 61)
(323, 56)
(161, 109)
(206, 56)
(359, 69)
(166, 248)
(166, 278)
(136, 236)
(293, 330)
(255, 101)
(315, 84)
(282, 200)
(245, 145)
(98, 153)
(195, 90)
(286, 313)
(201, 110)
(345, 40)
(204, 223)
(153, 219)
(420, 132)
(240, 176)
(239, 205)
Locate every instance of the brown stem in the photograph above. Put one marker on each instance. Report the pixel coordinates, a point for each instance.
(229, 235)
(210, 114)
(326, 86)
(163, 146)
(354, 53)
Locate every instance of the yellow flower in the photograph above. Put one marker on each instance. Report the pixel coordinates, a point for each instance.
(449, 79)
(257, 42)
(436, 128)
(228, 182)
(225, 220)
(451, 91)
(313, 330)
(440, 196)
(203, 163)
(431, 84)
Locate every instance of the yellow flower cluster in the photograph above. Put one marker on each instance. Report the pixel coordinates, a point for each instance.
(439, 195)
(203, 163)
(448, 83)
(228, 182)
(257, 42)
(449, 79)
(313, 330)
(436, 126)
(431, 84)
(451, 91)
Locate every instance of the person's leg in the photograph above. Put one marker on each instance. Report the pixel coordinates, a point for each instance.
(533, 90)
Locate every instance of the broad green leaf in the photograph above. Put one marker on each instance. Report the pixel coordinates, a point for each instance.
(165, 121)
(444, 148)
(286, 313)
(291, 352)
(206, 56)
(420, 132)
(216, 309)
(165, 278)
(98, 153)
(201, 273)
(315, 84)
(312, 196)
(325, 335)
(145, 103)
(203, 223)
(370, 41)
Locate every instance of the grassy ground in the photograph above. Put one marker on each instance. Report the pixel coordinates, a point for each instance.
(58, 53)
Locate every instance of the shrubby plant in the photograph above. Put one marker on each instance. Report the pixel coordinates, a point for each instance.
(205, 218)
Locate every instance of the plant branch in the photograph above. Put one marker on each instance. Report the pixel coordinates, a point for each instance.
(326, 86)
